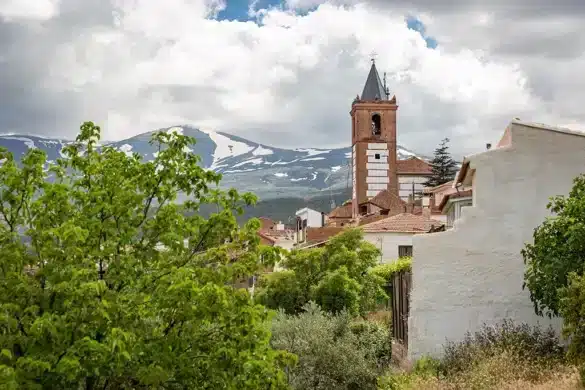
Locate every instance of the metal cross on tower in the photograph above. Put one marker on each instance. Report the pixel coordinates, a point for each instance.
(373, 56)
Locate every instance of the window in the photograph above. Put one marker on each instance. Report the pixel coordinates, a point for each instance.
(377, 156)
(363, 209)
(404, 250)
(376, 124)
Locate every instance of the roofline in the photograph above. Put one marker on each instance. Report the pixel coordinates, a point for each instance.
(267, 237)
(543, 126)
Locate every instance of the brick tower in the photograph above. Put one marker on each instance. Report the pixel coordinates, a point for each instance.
(373, 140)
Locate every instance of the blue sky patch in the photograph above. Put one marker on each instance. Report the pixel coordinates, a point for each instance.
(415, 24)
(238, 9)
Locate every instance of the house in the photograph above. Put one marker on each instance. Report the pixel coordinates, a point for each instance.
(446, 201)
(393, 235)
(412, 174)
(473, 273)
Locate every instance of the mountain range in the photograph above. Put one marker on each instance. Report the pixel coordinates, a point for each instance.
(289, 178)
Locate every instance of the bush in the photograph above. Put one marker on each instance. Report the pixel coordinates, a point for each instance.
(525, 342)
(502, 356)
(333, 351)
(386, 271)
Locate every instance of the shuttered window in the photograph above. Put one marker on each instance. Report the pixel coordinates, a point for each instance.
(404, 250)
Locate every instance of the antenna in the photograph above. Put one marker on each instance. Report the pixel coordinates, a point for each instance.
(386, 90)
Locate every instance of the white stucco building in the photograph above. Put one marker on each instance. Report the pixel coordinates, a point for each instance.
(473, 273)
(393, 235)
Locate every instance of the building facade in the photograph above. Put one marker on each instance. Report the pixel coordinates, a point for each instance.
(373, 117)
(474, 271)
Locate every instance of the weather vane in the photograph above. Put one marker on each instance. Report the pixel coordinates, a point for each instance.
(373, 56)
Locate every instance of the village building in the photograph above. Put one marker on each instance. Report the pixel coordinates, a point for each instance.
(473, 272)
(393, 235)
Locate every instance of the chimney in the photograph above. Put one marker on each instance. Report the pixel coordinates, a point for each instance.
(488, 146)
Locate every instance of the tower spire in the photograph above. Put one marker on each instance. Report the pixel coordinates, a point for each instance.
(374, 89)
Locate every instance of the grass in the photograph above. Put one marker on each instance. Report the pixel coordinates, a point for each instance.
(506, 356)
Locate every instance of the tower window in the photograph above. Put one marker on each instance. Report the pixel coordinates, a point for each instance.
(377, 156)
(376, 124)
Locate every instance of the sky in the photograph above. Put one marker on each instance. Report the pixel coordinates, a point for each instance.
(284, 72)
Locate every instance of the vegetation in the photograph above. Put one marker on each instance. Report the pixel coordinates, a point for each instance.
(504, 356)
(105, 283)
(387, 270)
(444, 168)
(555, 266)
(336, 277)
(335, 352)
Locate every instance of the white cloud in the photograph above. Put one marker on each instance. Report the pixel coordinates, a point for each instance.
(289, 80)
(28, 9)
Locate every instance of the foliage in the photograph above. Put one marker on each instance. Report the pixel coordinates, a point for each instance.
(558, 250)
(572, 299)
(443, 166)
(333, 352)
(528, 343)
(335, 276)
(493, 357)
(104, 282)
(387, 270)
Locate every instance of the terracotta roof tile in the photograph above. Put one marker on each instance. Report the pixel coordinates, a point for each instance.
(386, 200)
(341, 212)
(403, 223)
(322, 233)
(455, 195)
(413, 166)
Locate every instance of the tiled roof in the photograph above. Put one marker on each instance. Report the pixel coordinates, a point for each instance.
(455, 195)
(403, 223)
(322, 233)
(413, 166)
(386, 200)
(341, 212)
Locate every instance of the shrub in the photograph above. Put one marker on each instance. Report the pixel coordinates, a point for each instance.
(387, 270)
(527, 343)
(333, 352)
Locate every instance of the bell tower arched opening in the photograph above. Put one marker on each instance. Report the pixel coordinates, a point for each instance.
(376, 124)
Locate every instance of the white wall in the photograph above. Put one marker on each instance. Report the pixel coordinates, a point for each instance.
(473, 273)
(313, 217)
(405, 185)
(388, 243)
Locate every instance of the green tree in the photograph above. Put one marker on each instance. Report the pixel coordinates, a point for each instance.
(335, 276)
(555, 264)
(105, 282)
(443, 166)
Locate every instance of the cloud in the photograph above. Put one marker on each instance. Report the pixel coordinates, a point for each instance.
(284, 79)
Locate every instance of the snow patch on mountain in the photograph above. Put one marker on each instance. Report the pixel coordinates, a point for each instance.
(260, 151)
(335, 168)
(255, 161)
(225, 147)
(313, 159)
(27, 141)
(312, 152)
(281, 174)
(127, 149)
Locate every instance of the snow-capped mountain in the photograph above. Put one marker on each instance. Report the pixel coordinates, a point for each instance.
(248, 166)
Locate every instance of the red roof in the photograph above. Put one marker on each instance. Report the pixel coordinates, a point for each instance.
(403, 223)
(413, 166)
(455, 195)
(387, 200)
(341, 212)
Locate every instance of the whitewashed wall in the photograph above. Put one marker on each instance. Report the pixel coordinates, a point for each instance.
(388, 243)
(377, 178)
(473, 273)
(405, 185)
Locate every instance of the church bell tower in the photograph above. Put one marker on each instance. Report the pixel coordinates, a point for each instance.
(373, 139)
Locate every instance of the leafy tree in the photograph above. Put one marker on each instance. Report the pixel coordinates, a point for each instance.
(334, 351)
(106, 283)
(443, 166)
(558, 250)
(335, 276)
